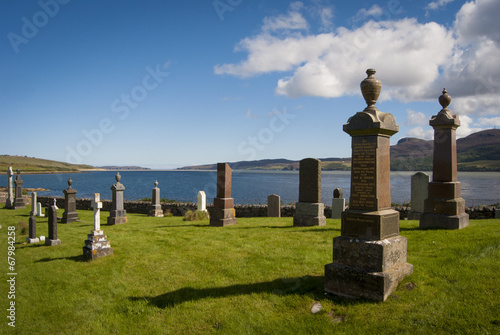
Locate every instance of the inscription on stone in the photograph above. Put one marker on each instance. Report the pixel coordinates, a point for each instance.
(364, 173)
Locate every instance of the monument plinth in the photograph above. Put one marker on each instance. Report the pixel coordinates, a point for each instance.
(223, 213)
(369, 258)
(444, 208)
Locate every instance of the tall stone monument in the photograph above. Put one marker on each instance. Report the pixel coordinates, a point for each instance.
(223, 213)
(32, 231)
(202, 202)
(309, 211)
(70, 213)
(274, 206)
(117, 215)
(33, 205)
(19, 201)
(9, 203)
(369, 258)
(338, 203)
(155, 208)
(52, 239)
(419, 189)
(97, 244)
(444, 207)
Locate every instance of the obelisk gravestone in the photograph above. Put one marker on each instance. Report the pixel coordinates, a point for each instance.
(117, 215)
(155, 208)
(223, 213)
(19, 201)
(52, 239)
(309, 211)
(9, 203)
(70, 213)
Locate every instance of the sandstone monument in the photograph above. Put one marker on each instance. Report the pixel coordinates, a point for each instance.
(309, 211)
(223, 213)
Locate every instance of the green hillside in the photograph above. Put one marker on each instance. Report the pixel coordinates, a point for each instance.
(31, 164)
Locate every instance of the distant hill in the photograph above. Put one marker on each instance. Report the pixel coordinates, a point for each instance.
(123, 168)
(477, 152)
(37, 165)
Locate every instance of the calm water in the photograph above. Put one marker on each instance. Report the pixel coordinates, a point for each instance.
(248, 187)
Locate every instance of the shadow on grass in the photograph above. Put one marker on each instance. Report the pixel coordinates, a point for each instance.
(79, 258)
(307, 285)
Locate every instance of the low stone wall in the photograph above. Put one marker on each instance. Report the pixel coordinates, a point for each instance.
(242, 211)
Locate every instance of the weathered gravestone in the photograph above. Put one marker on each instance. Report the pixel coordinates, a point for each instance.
(32, 231)
(274, 206)
(97, 244)
(309, 211)
(70, 213)
(39, 210)
(155, 208)
(202, 202)
(9, 203)
(117, 215)
(419, 184)
(369, 258)
(33, 205)
(338, 203)
(444, 207)
(223, 213)
(19, 201)
(52, 238)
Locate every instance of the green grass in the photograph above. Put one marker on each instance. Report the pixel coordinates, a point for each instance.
(261, 276)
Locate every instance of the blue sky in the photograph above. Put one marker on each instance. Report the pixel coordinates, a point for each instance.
(172, 83)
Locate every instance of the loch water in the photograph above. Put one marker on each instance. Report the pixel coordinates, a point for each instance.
(248, 187)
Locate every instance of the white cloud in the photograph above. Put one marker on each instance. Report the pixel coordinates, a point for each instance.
(419, 132)
(363, 14)
(466, 126)
(436, 5)
(416, 118)
(326, 16)
(489, 122)
(249, 114)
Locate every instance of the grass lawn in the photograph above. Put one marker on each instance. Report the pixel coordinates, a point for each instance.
(261, 276)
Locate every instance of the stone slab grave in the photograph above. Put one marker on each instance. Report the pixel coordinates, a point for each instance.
(444, 207)
(9, 203)
(18, 200)
(202, 202)
(338, 203)
(274, 206)
(70, 214)
(32, 231)
(309, 211)
(223, 213)
(117, 215)
(97, 244)
(155, 208)
(52, 239)
(39, 210)
(369, 257)
(419, 189)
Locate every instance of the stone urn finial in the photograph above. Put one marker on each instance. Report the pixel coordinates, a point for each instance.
(444, 99)
(156, 183)
(18, 171)
(370, 88)
(118, 177)
(70, 182)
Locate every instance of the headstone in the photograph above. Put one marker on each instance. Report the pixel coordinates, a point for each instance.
(497, 213)
(39, 210)
(97, 244)
(54, 202)
(444, 207)
(419, 184)
(369, 258)
(223, 213)
(52, 238)
(338, 203)
(202, 201)
(33, 205)
(309, 211)
(10, 191)
(32, 231)
(70, 213)
(117, 215)
(274, 206)
(19, 201)
(155, 208)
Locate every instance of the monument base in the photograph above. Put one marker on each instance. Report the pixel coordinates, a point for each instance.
(366, 225)
(117, 217)
(51, 243)
(32, 240)
(414, 215)
(221, 217)
(155, 210)
(367, 269)
(309, 214)
(18, 204)
(441, 221)
(70, 217)
(96, 245)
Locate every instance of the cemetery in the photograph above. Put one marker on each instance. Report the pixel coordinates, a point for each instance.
(358, 266)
